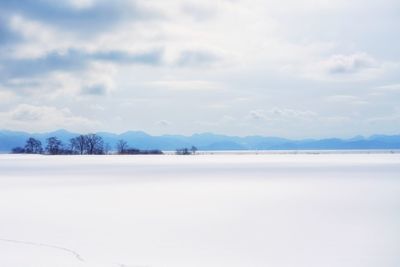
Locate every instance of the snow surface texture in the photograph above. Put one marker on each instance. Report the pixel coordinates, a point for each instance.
(200, 211)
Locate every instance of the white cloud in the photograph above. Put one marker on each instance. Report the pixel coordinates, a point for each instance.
(40, 38)
(341, 67)
(39, 118)
(6, 96)
(99, 78)
(346, 99)
(199, 11)
(281, 114)
(390, 88)
(185, 85)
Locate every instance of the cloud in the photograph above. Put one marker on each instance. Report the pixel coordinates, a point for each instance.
(201, 55)
(256, 115)
(198, 11)
(87, 18)
(96, 79)
(73, 60)
(344, 67)
(346, 99)
(6, 96)
(196, 58)
(290, 113)
(97, 89)
(163, 123)
(390, 88)
(43, 117)
(153, 57)
(276, 114)
(348, 64)
(185, 85)
(26, 112)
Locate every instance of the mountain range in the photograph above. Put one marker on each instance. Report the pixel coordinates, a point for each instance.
(209, 141)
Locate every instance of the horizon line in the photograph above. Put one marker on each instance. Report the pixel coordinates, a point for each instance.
(362, 136)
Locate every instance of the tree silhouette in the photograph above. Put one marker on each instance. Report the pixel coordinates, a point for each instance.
(122, 146)
(54, 146)
(33, 146)
(183, 151)
(94, 144)
(78, 144)
(186, 151)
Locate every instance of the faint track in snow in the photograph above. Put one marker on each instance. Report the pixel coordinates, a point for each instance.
(70, 251)
(76, 254)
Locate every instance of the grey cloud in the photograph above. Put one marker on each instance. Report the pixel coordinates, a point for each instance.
(97, 89)
(151, 58)
(256, 115)
(341, 64)
(52, 62)
(21, 84)
(73, 60)
(163, 123)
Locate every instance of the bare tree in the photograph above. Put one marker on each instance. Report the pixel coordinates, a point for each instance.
(78, 144)
(182, 151)
(122, 146)
(33, 146)
(54, 146)
(87, 144)
(94, 144)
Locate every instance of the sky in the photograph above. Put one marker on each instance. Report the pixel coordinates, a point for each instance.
(289, 68)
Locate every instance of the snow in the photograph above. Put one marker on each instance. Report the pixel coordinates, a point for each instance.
(278, 210)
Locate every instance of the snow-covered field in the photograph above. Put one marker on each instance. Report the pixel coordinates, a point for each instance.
(328, 210)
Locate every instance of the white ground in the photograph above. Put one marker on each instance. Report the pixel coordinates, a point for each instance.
(209, 211)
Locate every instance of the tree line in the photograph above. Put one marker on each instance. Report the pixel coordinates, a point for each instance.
(89, 144)
(186, 151)
(124, 149)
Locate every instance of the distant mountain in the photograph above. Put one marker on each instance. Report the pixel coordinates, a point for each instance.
(209, 141)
